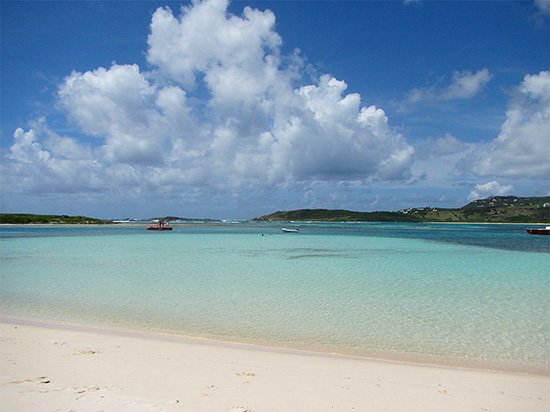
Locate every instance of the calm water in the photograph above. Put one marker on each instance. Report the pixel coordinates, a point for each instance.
(464, 294)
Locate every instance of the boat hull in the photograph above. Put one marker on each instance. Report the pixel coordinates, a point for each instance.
(538, 231)
(159, 228)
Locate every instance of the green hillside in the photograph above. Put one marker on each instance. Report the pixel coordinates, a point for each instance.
(495, 209)
(20, 219)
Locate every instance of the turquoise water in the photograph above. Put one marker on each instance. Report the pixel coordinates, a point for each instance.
(460, 294)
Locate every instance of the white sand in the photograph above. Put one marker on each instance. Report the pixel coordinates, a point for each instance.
(51, 368)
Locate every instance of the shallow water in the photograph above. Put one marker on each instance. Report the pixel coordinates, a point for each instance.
(464, 294)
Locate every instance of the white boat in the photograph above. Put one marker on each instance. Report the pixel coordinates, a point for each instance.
(286, 230)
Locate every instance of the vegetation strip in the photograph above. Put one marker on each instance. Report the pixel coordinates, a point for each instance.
(21, 219)
(496, 209)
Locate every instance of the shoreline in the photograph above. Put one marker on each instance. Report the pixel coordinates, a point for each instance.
(251, 222)
(68, 367)
(412, 359)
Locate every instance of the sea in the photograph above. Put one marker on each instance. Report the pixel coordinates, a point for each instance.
(469, 295)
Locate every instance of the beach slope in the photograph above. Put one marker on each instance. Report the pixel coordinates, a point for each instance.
(54, 367)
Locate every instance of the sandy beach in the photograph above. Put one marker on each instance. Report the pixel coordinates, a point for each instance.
(50, 367)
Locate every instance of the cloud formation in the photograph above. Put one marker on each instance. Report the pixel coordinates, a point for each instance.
(205, 40)
(519, 153)
(522, 148)
(492, 188)
(220, 113)
(543, 6)
(42, 161)
(464, 85)
(220, 108)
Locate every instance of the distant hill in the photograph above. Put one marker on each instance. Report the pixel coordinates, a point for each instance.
(495, 209)
(20, 219)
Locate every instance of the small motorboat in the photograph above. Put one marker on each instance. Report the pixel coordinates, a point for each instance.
(287, 230)
(161, 225)
(539, 231)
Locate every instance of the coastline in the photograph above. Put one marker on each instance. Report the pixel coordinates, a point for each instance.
(321, 350)
(50, 366)
(260, 221)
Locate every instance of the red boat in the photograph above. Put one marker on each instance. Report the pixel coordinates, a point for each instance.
(160, 226)
(539, 231)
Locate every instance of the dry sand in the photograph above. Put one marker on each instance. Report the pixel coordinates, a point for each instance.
(58, 368)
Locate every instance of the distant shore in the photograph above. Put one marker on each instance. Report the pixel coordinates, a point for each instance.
(274, 223)
(251, 222)
(494, 209)
(137, 224)
(47, 366)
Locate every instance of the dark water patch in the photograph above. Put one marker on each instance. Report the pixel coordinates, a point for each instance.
(316, 256)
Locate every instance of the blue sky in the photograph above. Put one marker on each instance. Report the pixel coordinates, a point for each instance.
(233, 110)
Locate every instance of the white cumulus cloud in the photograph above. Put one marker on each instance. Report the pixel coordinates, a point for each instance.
(522, 148)
(219, 109)
(205, 37)
(42, 161)
(115, 105)
(492, 188)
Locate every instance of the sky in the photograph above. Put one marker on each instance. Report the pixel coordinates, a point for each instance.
(237, 109)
